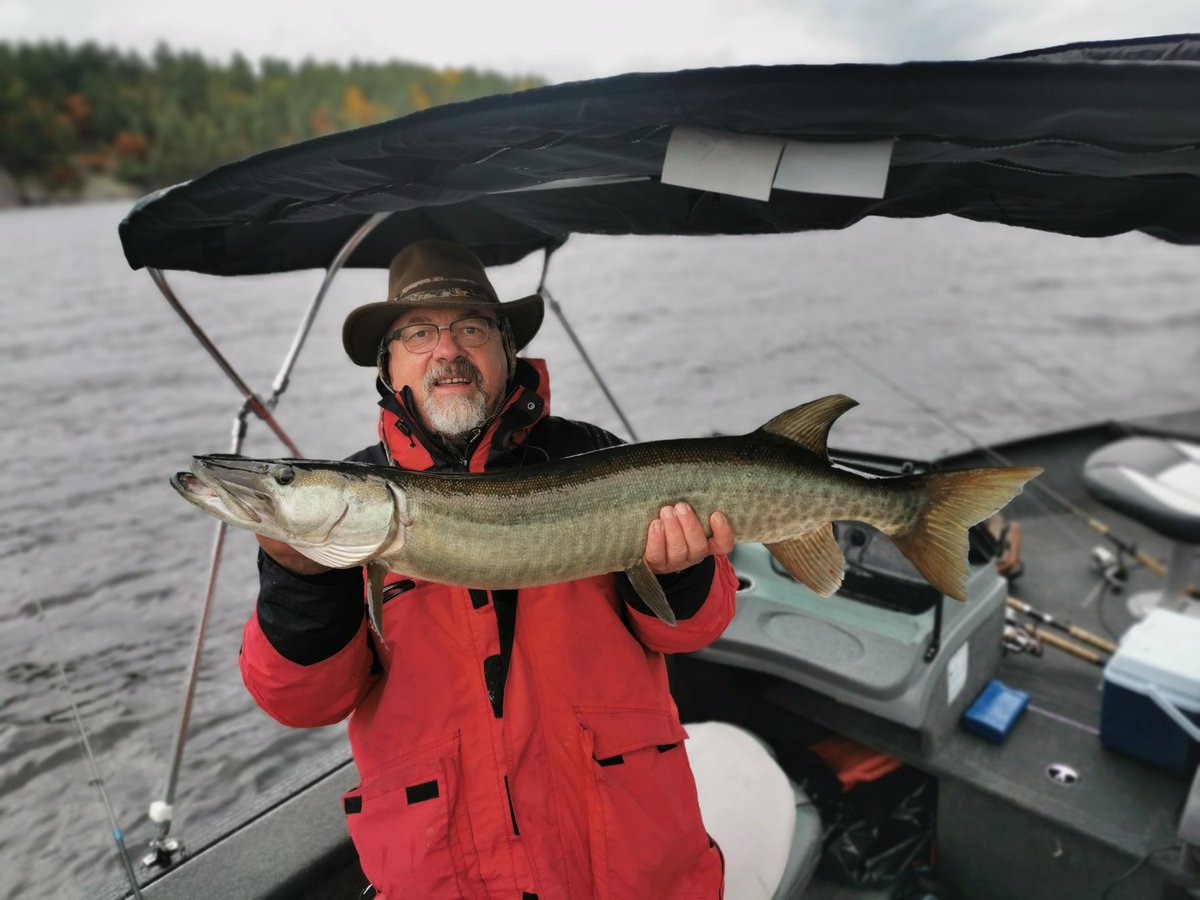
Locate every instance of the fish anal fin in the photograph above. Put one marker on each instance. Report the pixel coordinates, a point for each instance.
(814, 559)
(809, 424)
(650, 591)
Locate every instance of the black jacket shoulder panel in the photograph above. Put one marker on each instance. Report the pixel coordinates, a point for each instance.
(558, 438)
(374, 455)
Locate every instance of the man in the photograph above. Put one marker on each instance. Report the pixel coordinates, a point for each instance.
(515, 744)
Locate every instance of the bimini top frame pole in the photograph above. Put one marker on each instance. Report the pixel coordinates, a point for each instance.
(163, 850)
(253, 403)
(558, 311)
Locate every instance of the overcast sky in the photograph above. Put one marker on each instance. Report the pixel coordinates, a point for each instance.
(563, 40)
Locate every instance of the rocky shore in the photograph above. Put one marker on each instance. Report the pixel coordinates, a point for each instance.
(95, 189)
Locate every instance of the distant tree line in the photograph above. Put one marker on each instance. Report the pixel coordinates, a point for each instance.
(67, 113)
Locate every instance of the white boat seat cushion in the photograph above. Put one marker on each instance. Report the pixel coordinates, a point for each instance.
(748, 805)
(1151, 480)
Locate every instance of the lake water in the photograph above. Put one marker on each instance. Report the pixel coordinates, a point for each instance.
(1004, 332)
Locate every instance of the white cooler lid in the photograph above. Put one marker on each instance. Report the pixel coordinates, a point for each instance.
(1164, 650)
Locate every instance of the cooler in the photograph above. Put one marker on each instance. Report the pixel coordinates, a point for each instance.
(1151, 706)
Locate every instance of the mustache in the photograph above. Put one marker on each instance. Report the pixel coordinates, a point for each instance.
(458, 368)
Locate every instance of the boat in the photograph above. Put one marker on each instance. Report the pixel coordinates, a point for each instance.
(1088, 139)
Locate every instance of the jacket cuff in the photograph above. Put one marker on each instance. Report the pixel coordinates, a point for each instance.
(308, 618)
(686, 591)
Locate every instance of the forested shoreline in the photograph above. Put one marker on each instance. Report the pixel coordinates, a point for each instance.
(70, 116)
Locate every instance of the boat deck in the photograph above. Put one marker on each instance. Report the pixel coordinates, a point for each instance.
(1005, 828)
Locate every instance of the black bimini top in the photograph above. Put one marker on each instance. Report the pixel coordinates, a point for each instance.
(1087, 139)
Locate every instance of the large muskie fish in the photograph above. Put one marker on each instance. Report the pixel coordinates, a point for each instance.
(588, 514)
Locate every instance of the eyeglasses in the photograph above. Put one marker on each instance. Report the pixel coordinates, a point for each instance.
(422, 337)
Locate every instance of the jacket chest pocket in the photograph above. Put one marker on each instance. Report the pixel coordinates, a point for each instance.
(645, 830)
(410, 826)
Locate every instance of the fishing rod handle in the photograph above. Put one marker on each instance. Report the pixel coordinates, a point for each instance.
(1066, 646)
(1089, 637)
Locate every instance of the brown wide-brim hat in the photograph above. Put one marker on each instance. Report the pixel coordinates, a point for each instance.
(435, 273)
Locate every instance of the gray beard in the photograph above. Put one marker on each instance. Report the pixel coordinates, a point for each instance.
(454, 417)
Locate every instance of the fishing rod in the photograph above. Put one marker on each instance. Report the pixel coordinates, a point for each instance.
(1128, 547)
(118, 835)
(1023, 637)
(1083, 403)
(1043, 618)
(1053, 640)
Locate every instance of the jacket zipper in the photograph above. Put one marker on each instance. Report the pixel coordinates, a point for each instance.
(469, 449)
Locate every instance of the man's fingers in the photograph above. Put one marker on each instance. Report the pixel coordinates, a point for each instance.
(677, 546)
(721, 541)
(677, 539)
(656, 546)
(693, 533)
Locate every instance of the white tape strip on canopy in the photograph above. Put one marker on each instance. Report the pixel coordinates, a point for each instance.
(749, 165)
(722, 162)
(858, 169)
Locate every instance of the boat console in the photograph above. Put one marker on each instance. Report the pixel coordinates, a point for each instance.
(887, 644)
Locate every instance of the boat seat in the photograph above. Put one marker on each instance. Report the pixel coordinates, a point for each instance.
(1156, 482)
(768, 830)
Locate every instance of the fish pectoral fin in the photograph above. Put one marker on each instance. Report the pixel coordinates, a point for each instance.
(336, 556)
(651, 592)
(814, 559)
(808, 425)
(375, 573)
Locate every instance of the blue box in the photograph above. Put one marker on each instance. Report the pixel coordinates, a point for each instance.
(1151, 704)
(995, 711)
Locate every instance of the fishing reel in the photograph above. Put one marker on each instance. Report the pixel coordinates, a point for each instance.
(1110, 566)
(1016, 638)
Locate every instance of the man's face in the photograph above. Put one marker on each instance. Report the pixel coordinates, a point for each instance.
(455, 388)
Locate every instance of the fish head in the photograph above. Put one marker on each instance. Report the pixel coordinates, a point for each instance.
(339, 514)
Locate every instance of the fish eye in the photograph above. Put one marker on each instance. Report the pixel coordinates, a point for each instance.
(283, 474)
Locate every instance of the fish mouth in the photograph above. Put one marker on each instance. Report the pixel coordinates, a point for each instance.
(231, 485)
(192, 487)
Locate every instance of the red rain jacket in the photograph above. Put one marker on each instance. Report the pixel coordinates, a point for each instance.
(510, 744)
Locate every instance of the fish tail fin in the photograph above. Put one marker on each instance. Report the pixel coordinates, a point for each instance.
(936, 543)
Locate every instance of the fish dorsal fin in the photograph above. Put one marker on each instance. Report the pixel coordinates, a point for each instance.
(814, 559)
(809, 425)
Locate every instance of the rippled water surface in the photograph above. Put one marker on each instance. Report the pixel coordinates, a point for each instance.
(105, 394)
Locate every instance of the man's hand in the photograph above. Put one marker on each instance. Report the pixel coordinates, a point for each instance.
(291, 558)
(676, 539)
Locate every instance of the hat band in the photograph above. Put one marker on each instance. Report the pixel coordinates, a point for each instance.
(446, 293)
(441, 286)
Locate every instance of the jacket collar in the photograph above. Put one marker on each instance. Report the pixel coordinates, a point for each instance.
(410, 446)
